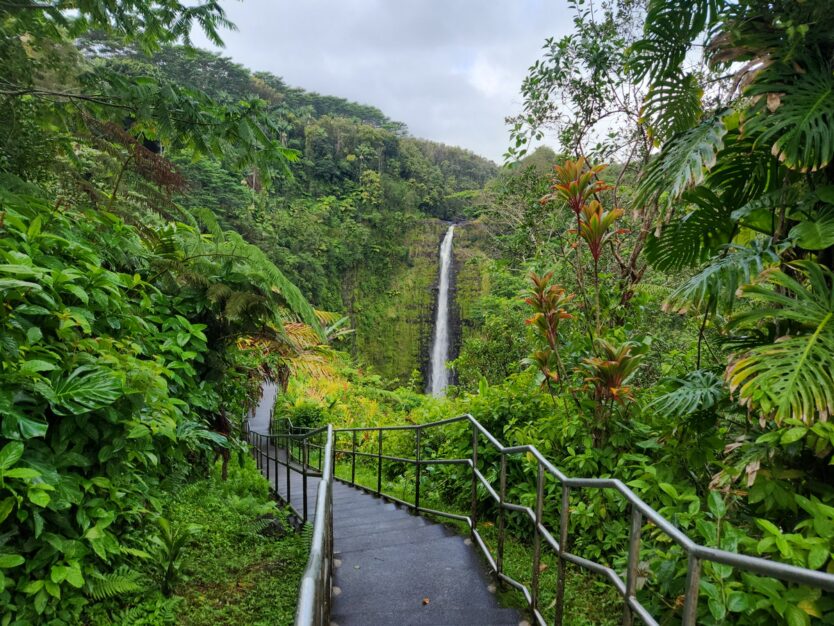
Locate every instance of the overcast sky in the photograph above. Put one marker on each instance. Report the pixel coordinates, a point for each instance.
(450, 69)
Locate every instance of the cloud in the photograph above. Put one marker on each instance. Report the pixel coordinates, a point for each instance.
(450, 69)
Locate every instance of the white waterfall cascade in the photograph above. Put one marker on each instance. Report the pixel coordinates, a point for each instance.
(439, 375)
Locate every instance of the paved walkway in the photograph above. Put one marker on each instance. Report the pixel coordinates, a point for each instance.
(394, 568)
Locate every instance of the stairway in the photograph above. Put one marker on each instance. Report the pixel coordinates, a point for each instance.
(396, 568)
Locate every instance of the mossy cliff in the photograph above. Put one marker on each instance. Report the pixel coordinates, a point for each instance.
(392, 308)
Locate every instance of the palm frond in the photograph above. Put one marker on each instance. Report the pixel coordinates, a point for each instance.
(792, 377)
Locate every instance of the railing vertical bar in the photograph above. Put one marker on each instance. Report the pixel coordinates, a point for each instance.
(502, 496)
(474, 503)
(563, 547)
(353, 461)
(632, 564)
(267, 462)
(289, 458)
(537, 541)
(693, 582)
(417, 469)
(304, 454)
(379, 463)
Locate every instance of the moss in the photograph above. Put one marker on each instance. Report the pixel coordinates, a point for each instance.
(391, 308)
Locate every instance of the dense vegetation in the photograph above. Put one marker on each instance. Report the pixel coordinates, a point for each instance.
(173, 227)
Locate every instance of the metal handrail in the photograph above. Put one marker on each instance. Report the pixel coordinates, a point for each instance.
(314, 594)
(640, 514)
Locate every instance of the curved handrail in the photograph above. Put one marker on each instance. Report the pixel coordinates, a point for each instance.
(314, 593)
(640, 512)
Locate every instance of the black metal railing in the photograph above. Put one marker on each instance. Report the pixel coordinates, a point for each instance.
(290, 451)
(299, 442)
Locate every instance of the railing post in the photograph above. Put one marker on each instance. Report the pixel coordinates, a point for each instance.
(563, 547)
(267, 462)
(502, 496)
(260, 451)
(537, 541)
(693, 582)
(304, 454)
(474, 503)
(632, 564)
(289, 482)
(353, 461)
(379, 464)
(417, 470)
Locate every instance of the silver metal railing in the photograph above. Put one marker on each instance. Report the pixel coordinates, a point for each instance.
(641, 513)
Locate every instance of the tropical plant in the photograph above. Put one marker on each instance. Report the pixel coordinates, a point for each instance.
(168, 546)
(790, 374)
(548, 302)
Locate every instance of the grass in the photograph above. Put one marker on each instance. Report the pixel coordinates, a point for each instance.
(241, 564)
(589, 600)
(237, 574)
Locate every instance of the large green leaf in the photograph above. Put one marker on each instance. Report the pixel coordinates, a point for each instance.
(86, 389)
(716, 285)
(684, 160)
(10, 454)
(795, 114)
(792, 377)
(700, 390)
(815, 234)
(693, 238)
(672, 105)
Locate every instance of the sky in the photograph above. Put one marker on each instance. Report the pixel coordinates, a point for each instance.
(451, 70)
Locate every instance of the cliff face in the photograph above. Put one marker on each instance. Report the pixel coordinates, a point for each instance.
(393, 310)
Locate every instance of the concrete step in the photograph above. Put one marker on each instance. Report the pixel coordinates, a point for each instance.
(393, 537)
(429, 616)
(374, 526)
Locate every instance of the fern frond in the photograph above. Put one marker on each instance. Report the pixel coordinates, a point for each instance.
(120, 581)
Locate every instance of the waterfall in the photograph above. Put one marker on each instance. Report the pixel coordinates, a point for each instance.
(439, 375)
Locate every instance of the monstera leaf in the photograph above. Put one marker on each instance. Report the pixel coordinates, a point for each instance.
(697, 391)
(685, 159)
(693, 238)
(795, 114)
(792, 377)
(672, 105)
(716, 285)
